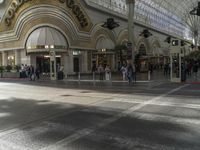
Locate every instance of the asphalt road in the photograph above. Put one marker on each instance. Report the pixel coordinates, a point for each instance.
(72, 116)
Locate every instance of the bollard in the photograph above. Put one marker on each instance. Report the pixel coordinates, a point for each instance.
(93, 76)
(149, 75)
(79, 76)
(94, 83)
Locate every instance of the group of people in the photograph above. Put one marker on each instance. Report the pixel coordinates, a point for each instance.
(187, 69)
(129, 73)
(28, 71)
(103, 72)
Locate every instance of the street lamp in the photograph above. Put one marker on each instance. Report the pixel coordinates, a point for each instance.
(52, 54)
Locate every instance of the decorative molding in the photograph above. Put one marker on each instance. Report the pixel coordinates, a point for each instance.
(72, 7)
(77, 11)
(14, 7)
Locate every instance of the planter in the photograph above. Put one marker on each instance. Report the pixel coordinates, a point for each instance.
(11, 75)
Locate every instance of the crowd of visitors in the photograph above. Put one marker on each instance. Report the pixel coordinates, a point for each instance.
(28, 71)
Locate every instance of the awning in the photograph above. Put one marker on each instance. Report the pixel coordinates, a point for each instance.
(105, 43)
(45, 39)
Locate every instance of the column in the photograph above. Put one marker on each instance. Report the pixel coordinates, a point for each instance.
(4, 58)
(113, 62)
(84, 61)
(1, 59)
(17, 57)
(131, 6)
(68, 62)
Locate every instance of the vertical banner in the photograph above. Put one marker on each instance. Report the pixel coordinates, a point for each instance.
(129, 50)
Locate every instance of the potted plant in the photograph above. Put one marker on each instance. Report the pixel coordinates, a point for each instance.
(8, 68)
(17, 68)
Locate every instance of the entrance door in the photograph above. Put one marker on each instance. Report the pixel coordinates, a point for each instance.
(43, 63)
(76, 64)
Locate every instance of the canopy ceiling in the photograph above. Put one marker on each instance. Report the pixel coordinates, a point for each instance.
(178, 7)
(45, 38)
(181, 9)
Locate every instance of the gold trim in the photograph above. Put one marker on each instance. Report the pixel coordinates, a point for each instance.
(43, 47)
(16, 7)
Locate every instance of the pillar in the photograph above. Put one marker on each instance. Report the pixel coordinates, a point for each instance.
(17, 57)
(84, 61)
(4, 58)
(67, 62)
(131, 6)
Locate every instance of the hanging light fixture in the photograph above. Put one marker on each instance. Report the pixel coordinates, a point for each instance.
(110, 24)
(146, 33)
(196, 10)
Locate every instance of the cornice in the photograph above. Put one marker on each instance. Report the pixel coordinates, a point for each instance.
(71, 6)
(40, 11)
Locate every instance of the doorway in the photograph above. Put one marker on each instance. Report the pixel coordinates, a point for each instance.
(76, 64)
(43, 64)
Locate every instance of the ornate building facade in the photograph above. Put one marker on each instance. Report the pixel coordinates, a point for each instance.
(30, 29)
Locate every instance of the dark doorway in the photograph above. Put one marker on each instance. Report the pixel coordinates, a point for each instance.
(43, 63)
(76, 64)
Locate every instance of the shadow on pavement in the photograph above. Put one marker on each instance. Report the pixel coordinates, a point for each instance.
(38, 124)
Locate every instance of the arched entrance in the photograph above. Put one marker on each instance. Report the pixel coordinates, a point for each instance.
(45, 47)
(105, 54)
(142, 59)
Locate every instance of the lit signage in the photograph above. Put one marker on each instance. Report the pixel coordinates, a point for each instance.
(15, 5)
(174, 42)
(77, 11)
(1, 1)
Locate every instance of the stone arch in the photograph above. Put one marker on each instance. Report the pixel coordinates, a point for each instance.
(99, 32)
(31, 19)
(156, 47)
(142, 49)
(144, 42)
(123, 37)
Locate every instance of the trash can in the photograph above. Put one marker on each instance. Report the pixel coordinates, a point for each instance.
(60, 75)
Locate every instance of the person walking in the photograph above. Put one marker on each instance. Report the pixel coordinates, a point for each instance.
(130, 73)
(107, 73)
(124, 72)
(101, 71)
(32, 73)
(134, 73)
(195, 70)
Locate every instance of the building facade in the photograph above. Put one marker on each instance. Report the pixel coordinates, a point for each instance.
(30, 29)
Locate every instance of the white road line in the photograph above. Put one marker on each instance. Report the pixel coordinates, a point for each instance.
(171, 104)
(174, 119)
(87, 131)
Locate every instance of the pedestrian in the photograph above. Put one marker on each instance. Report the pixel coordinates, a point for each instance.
(124, 72)
(107, 73)
(32, 73)
(101, 72)
(130, 73)
(195, 70)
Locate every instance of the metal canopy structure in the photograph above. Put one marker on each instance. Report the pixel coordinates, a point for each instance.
(171, 16)
(181, 9)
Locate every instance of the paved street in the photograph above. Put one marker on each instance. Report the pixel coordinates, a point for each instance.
(46, 115)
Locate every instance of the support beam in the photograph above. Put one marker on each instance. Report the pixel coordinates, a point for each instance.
(131, 6)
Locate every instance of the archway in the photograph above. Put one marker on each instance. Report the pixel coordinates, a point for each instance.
(45, 47)
(141, 58)
(105, 54)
